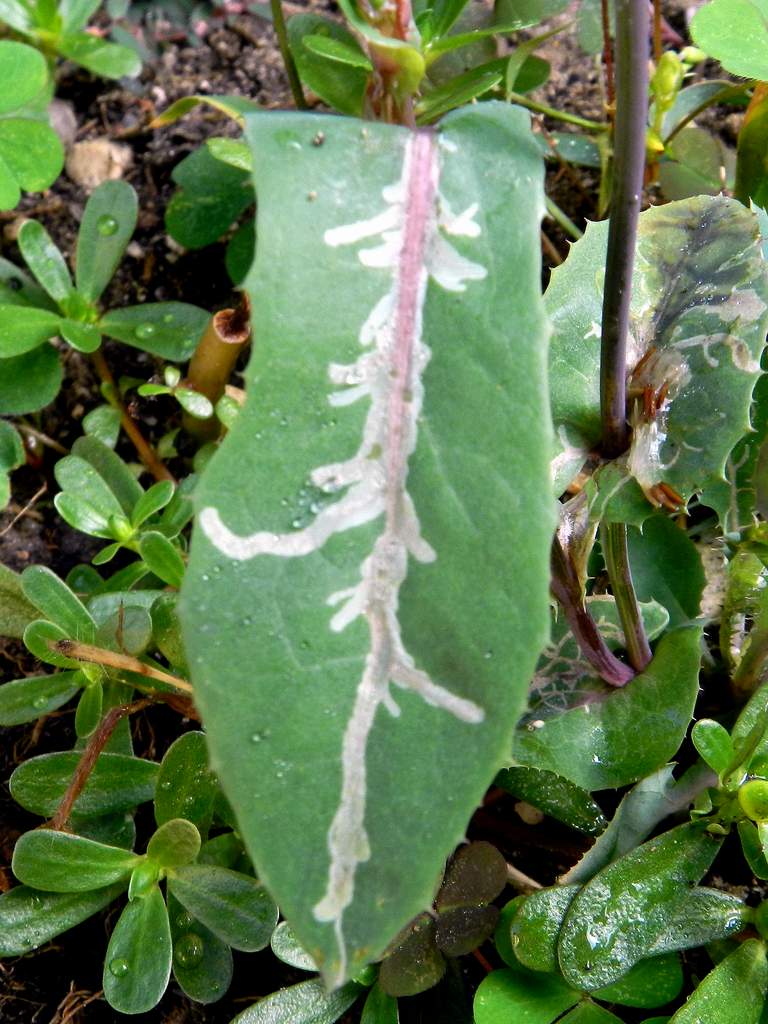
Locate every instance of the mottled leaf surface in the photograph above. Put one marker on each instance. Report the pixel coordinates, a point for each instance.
(373, 536)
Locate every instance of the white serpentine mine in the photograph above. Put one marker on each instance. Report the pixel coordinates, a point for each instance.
(389, 373)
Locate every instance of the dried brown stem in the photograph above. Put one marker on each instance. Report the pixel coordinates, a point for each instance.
(110, 659)
(145, 451)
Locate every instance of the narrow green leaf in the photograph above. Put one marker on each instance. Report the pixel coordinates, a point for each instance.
(733, 993)
(701, 916)
(45, 261)
(137, 964)
(81, 515)
(286, 947)
(103, 423)
(106, 228)
(30, 918)
(23, 328)
(40, 637)
(341, 86)
(509, 995)
(76, 14)
(554, 795)
(714, 744)
(16, 612)
(116, 474)
(162, 558)
(83, 337)
(60, 862)
(55, 600)
(305, 1003)
(379, 1008)
(89, 709)
(234, 906)
(337, 50)
(202, 963)
(29, 382)
(152, 501)
(170, 330)
(536, 926)
(108, 59)
(751, 847)
(650, 983)
(461, 658)
(590, 1013)
(24, 700)
(599, 746)
(117, 783)
(234, 152)
(186, 788)
(617, 917)
(81, 481)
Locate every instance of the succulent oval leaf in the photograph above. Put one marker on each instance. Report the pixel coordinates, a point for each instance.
(697, 327)
(61, 862)
(24, 700)
(355, 485)
(202, 963)
(733, 992)
(137, 964)
(105, 230)
(29, 918)
(306, 1003)
(30, 381)
(523, 997)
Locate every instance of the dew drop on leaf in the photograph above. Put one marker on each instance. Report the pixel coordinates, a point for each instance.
(184, 921)
(106, 225)
(119, 967)
(189, 950)
(144, 331)
(39, 702)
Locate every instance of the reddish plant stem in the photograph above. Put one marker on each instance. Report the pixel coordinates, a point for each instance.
(610, 94)
(658, 45)
(144, 449)
(87, 762)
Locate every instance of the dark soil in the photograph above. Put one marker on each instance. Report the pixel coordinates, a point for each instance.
(61, 983)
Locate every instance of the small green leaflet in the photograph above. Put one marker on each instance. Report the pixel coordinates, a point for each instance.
(379, 512)
(697, 328)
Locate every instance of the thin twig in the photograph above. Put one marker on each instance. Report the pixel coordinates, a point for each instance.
(278, 23)
(44, 439)
(613, 538)
(549, 248)
(610, 95)
(658, 45)
(559, 115)
(519, 880)
(562, 218)
(110, 659)
(38, 494)
(145, 451)
(87, 762)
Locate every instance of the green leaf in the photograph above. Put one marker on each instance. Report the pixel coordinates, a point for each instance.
(240, 250)
(166, 633)
(211, 196)
(234, 152)
(622, 913)
(106, 228)
(510, 995)
(202, 964)
(55, 600)
(12, 455)
(16, 612)
(598, 746)
(379, 1008)
(693, 164)
(23, 74)
(666, 567)
(707, 338)
(414, 964)
(29, 918)
(234, 906)
(117, 783)
(76, 14)
(305, 1003)
(162, 558)
(650, 983)
(734, 992)
(554, 795)
(174, 844)
(570, 146)
(128, 630)
(752, 848)
(690, 99)
(81, 481)
(714, 744)
(465, 661)
(152, 501)
(342, 52)
(41, 637)
(103, 423)
(29, 382)
(89, 709)
(286, 947)
(185, 785)
(233, 106)
(589, 1013)
(23, 328)
(194, 403)
(461, 89)
(45, 261)
(137, 964)
(115, 473)
(83, 337)
(536, 926)
(24, 700)
(341, 86)
(60, 862)
(102, 58)
(735, 32)
(751, 171)
(170, 330)
(31, 158)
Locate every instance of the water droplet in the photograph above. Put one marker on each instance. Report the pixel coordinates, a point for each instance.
(165, 784)
(36, 901)
(168, 318)
(39, 702)
(189, 950)
(304, 645)
(119, 967)
(283, 421)
(145, 331)
(257, 737)
(106, 225)
(487, 654)
(247, 621)
(184, 921)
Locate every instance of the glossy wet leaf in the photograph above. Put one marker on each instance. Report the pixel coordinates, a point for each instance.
(89, 708)
(536, 926)
(29, 918)
(598, 746)
(109, 466)
(24, 700)
(653, 982)
(174, 844)
(735, 33)
(234, 906)
(554, 795)
(45, 261)
(752, 849)
(202, 963)
(106, 228)
(41, 639)
(622, 913)
(305, 1003)
(286, 948)
(186, 788)
(733, 992)
(137, 964)
(259, 480)
(170, 330)
(117, 783)
(699, 296)
(714, 744)
(128, 630)
(522, 997)
(61, 862)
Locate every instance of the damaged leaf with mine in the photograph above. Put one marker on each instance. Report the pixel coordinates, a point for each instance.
(697, 330)
(385, 591)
